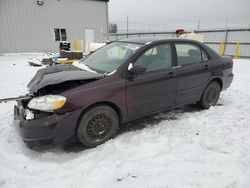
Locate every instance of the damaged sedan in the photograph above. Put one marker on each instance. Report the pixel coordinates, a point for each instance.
(118, 83)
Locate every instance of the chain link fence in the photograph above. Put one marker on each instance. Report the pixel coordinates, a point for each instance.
(224, 41)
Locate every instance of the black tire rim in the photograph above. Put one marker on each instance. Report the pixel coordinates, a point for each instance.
(211, 96)
(99, 127)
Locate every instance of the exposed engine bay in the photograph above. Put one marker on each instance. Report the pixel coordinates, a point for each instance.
(59, 78)
(49, 82)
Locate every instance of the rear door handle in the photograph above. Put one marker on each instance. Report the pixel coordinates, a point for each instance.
(171, 74)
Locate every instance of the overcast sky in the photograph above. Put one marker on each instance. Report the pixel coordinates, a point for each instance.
(162, 15)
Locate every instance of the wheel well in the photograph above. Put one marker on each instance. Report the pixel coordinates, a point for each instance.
(110, 104)
(219, 81)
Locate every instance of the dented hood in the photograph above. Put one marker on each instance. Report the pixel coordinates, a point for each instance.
(58, 74)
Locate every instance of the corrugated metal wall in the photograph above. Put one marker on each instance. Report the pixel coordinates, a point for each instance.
(212, 38)
(28, 27)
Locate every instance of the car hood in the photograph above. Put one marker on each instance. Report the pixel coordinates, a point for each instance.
(58, 74)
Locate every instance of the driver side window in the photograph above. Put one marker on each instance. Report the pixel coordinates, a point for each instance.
(156, 58)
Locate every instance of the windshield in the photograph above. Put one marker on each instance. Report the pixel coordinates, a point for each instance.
(110, 57)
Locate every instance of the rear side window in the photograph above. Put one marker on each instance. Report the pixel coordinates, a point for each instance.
(190, 53)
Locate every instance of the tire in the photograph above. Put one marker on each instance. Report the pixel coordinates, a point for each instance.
(210, 96)
(97, 125)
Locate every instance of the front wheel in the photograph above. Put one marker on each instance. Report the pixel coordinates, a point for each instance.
(210, 95)
(97, 125)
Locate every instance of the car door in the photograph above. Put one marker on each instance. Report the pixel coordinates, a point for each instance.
(155, 89)
(193, 72)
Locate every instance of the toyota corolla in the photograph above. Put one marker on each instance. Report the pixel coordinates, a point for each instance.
(118, 83)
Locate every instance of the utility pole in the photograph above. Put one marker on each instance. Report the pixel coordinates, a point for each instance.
(127, 26)
(226, 23)
(198, 27)
(226, 34)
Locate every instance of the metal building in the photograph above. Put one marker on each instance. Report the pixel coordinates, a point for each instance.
(39, 25)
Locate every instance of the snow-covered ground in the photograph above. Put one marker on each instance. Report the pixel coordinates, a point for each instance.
(179, 149)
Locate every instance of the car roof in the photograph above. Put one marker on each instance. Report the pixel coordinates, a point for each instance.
(145, 40)
(152, 40)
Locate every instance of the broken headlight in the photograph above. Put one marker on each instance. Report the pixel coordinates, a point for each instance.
(47, 103)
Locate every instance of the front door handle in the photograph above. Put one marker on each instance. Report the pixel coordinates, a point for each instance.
(206, 67)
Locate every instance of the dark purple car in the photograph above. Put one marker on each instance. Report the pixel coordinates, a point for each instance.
(118, 83)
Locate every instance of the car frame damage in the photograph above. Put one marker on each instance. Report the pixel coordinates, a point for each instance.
(41, 128)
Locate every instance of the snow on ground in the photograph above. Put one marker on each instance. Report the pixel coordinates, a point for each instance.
(186, 147)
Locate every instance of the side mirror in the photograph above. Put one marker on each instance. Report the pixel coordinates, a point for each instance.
(137, 69)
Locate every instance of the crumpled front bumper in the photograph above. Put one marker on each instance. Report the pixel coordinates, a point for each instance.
(46, 132)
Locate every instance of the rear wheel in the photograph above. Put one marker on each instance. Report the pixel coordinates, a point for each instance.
(210, 95)
(97, 125)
